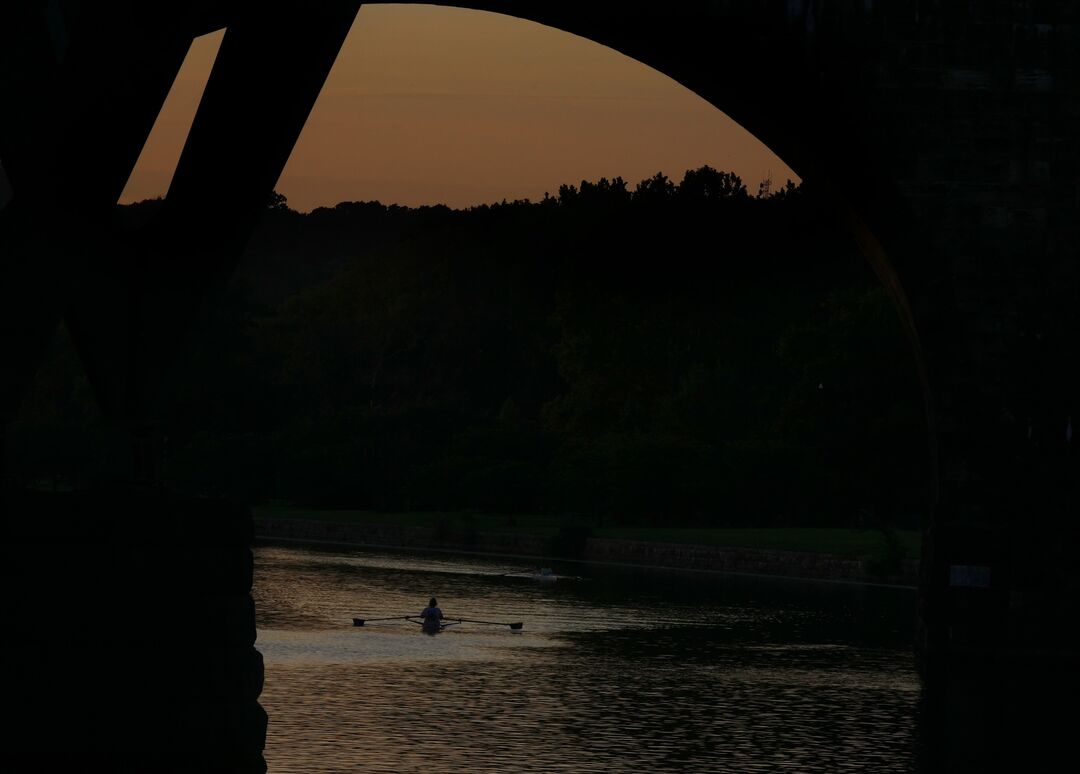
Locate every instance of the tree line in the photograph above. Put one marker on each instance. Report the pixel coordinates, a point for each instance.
(667, 353)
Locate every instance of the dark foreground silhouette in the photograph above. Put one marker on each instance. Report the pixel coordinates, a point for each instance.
(655, 354)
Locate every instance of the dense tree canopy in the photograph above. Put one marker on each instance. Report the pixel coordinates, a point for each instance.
(662, 353)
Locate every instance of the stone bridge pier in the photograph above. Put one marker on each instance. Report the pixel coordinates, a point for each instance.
(131, 643)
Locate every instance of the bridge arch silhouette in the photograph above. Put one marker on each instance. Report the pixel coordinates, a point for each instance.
(947, 140)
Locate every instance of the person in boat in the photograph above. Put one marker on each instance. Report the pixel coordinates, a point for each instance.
(432, 617)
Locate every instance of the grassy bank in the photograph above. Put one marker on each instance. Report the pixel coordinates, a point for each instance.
(847, 543)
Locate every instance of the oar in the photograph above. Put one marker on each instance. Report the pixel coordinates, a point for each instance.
(514, 626)
(360, 621)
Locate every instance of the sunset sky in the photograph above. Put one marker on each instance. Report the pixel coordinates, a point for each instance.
(429, 105)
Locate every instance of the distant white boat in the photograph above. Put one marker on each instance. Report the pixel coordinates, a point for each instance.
(543, 575)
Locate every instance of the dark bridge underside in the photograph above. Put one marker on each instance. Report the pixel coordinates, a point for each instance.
(948, 141)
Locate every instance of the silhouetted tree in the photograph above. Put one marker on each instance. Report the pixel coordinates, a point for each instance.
(277, 201)
(654, 189)
(706, 183)
(645, 357)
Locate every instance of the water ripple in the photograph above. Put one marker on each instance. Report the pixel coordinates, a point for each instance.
(612, 677)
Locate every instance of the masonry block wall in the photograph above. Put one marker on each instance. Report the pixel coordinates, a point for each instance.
(131, 633)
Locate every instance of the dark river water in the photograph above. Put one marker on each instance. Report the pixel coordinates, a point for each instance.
(622, 671)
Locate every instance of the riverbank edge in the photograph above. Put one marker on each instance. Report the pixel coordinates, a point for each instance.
(675, 556)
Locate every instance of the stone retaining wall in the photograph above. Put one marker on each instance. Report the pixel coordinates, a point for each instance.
(792, 564)
(133, 634)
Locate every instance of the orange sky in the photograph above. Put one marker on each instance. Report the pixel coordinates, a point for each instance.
(430, 105)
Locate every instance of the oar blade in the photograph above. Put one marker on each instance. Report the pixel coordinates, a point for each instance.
(361, 621)
(516, 625)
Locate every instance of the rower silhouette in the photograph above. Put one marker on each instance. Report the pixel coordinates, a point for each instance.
(432, 617)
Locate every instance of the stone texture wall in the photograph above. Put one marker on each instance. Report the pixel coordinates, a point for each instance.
(792, 564)
(131, 634)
